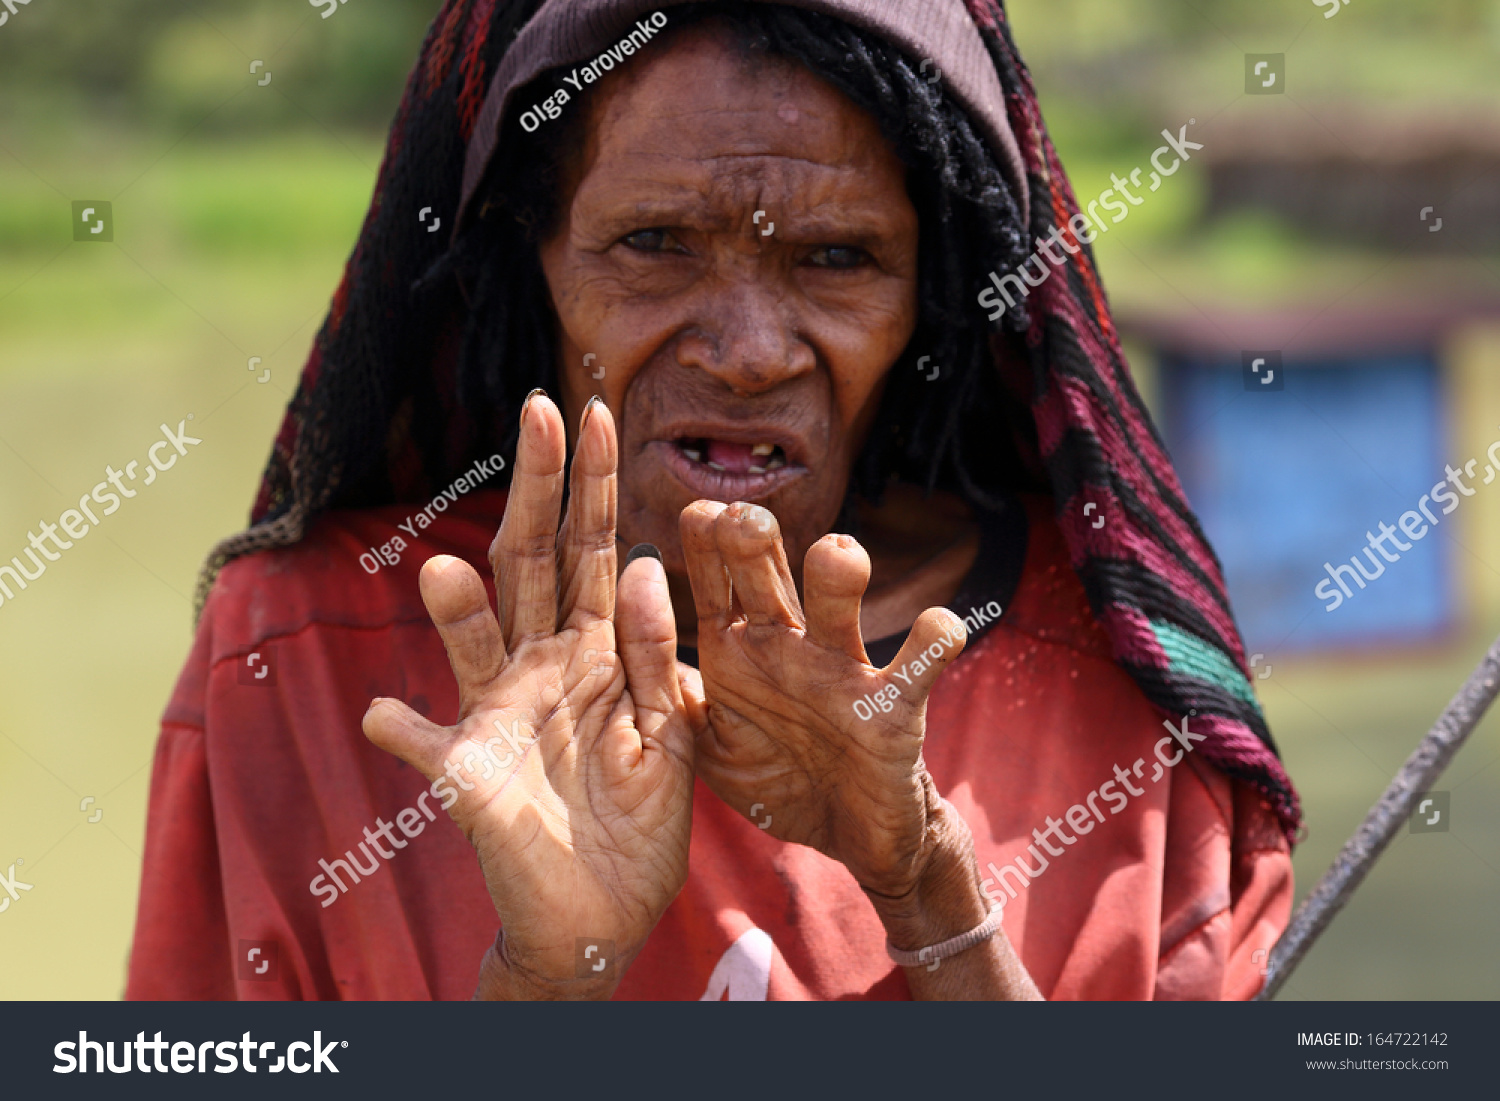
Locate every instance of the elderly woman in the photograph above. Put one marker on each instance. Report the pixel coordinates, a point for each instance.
(918, 680)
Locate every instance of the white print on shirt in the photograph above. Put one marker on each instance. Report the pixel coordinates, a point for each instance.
(744, 971)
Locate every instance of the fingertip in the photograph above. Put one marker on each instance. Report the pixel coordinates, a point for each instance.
(838, 565)
(451, 589)
(936, 640)
(436, 566)
(644, 603)
(643, 550)
(530, 404)
(655, 573)
(595, 415)
(942, 624)
(543, 437)
(700, 514)
(596, 437)
(376, 718)
(746, 528)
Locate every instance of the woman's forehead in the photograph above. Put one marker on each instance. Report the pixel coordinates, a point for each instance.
(703, 107)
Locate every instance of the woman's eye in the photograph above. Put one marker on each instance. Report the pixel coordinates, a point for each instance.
(839, 256)
(652, 240)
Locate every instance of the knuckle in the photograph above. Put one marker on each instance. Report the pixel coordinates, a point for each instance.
(535, 545)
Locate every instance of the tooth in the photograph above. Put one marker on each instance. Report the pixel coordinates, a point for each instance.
(696, 456)
(776, 464)
(716, 466)
(763, 449)
(757, 470)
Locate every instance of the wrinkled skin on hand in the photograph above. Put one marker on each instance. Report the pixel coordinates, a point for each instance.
(780, 682)
(583, 833)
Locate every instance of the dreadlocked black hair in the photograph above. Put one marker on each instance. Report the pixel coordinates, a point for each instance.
(925, 432)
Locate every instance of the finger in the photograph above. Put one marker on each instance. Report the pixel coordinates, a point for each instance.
(524, 553)
(587, 546)
(707, 573)
(694, 698)
(936, 639)
(460, 610)
(647, 639)
(835, 575)
(749, 541)
(400, 731)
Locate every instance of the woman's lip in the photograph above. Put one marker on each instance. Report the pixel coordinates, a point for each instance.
(714, 485)
(793, 447)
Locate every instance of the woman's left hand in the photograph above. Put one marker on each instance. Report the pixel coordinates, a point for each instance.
(783, 742)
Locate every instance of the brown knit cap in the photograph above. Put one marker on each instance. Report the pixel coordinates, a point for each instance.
(571, 32)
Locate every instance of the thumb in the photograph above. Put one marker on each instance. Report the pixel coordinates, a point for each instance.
(936, 639)
(646, 635)
(403, 733)
(694, 699)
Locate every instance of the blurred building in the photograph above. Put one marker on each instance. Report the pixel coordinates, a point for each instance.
(1349, 175)
(1301, 422)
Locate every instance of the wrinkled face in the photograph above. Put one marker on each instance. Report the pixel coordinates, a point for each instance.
(738, 260)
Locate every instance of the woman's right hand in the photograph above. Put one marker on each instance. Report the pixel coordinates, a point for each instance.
(572, 755)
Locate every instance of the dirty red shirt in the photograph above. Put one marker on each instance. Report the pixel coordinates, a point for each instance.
(262, 777)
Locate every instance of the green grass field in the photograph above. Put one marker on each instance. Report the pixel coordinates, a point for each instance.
(224, 252)
(221, 253)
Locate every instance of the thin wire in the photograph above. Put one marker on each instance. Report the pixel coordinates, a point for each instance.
(1375, 833)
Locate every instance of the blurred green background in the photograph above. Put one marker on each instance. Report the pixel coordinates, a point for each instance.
(235, 204)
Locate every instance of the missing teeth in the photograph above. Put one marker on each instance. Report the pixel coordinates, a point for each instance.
(770, 454)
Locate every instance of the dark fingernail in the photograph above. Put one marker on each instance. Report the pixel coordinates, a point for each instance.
(526, 405)
(588, 411)
(642, 550)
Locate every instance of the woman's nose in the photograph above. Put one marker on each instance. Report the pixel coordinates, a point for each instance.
(746, 336)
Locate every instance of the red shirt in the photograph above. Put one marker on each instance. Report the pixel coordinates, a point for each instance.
(263, 777)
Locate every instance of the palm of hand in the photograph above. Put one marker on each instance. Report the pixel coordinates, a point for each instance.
(561, 827)
(571, 763)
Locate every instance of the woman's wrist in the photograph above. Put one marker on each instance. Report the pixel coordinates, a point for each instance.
(948, 901)
(945, 900)
(503, 979)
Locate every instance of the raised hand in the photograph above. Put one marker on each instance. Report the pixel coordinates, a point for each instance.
(571, 758)
(781, 686)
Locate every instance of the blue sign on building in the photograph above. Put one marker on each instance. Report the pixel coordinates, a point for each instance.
(1288, 481)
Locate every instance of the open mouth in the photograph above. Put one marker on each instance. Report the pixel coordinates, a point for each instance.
(732, 457)
(715, 468)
